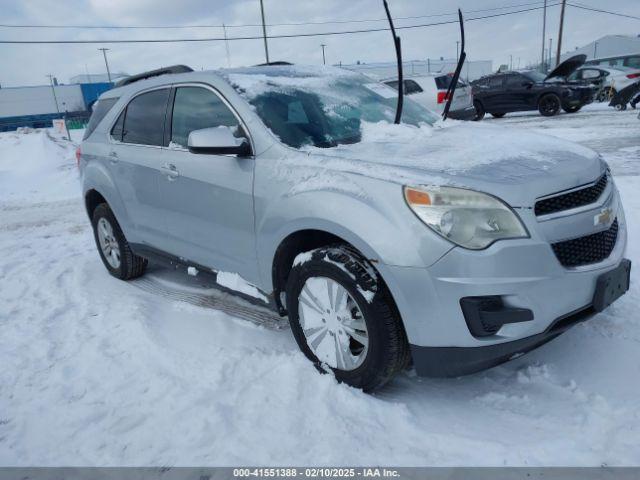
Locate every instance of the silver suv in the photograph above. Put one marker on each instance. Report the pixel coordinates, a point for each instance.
(452, 247)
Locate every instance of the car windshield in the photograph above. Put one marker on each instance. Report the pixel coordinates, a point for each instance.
(534, 76)
(321, 107)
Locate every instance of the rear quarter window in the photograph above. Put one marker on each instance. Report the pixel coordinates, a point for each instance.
(100, 110)
(444, 81)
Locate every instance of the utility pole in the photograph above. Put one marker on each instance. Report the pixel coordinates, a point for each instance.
(226, 44)
(324, 61)
(544, 33)
(550, 50)
(595, 49)
(510, 62)
(264, 32)
(53, 90)
(457, 50)
(564, 4)
(104, 54)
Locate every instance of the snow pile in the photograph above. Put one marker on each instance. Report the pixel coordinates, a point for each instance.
(96, 371)
(476, 146)
(38, 166)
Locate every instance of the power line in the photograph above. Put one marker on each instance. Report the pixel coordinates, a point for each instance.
(132, 27)
(584, 7)
(314, 34)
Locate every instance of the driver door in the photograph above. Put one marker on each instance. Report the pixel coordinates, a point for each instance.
(208, 198)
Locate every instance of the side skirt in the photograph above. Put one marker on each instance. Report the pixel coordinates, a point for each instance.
(159, 257)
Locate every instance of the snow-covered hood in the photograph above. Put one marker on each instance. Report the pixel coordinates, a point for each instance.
(515, 166)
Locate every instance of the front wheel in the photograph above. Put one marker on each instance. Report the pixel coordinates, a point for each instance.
(572, 109)
(344, 319)
(549, 105)
(115, 252)
(480, 112)
(620, 106)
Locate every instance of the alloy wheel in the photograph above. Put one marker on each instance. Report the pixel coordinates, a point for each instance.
(108, 243)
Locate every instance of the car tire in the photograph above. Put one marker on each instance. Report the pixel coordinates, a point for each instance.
(549, 105)
(620, 106)
(572, 109)
(114, 250)
(333, 336)
(498, 115)
(480, 112)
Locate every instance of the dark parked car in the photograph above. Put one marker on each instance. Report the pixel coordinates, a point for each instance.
(506, 92)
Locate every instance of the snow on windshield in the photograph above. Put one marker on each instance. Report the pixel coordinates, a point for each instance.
(320, 107)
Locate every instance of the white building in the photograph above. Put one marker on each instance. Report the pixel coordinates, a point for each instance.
(470, 70)
(612, 50)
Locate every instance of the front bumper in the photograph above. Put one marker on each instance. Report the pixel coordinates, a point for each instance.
(524, 273)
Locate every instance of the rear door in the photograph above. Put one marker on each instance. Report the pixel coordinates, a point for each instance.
(493, 95)
(207, 199)
(136, 140)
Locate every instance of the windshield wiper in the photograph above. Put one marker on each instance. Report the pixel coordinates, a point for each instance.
(396, 42)
(454, 81)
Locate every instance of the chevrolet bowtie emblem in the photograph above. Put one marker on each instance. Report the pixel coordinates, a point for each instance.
(604, 217)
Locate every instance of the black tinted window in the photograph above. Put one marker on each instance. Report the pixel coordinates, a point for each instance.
(514, 81)
(100, 109)
(116, 131)
(443, 82)
(144, 119)
(393, 84)
(195, 108)
(410, 86)
(495, 82)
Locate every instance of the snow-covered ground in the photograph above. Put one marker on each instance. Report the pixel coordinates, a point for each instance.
(95, 371)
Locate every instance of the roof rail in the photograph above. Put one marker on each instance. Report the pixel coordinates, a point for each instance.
(153, 73)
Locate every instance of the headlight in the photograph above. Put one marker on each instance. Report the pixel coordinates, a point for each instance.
(470, 219)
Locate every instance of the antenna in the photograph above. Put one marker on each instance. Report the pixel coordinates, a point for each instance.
(396, 42)
(456, 75)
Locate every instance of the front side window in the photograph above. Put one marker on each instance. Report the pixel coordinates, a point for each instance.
(144, 118)
(195, 108)
(495, 82)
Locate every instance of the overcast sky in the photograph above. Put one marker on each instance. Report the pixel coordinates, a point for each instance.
(491, 39)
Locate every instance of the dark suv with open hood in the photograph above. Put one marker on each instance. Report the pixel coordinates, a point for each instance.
(512, 91)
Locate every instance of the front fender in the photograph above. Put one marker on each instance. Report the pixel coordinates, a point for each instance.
(382, 228)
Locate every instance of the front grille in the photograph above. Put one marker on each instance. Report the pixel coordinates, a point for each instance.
(592, 248)
(574, 199)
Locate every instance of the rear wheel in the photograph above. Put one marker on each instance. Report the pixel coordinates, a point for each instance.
(620, 106)
(569, 109)
(344, 319)
(549, 105)
(498, 115)
(480, 112)
(115, 252)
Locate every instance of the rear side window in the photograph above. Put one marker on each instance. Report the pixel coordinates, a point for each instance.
(195, 108)
(444, 81)
(100, 109)
(411, 86)
(393, 84)
(144, 118)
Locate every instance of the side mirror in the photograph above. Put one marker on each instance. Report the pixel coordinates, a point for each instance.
(218, 141)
